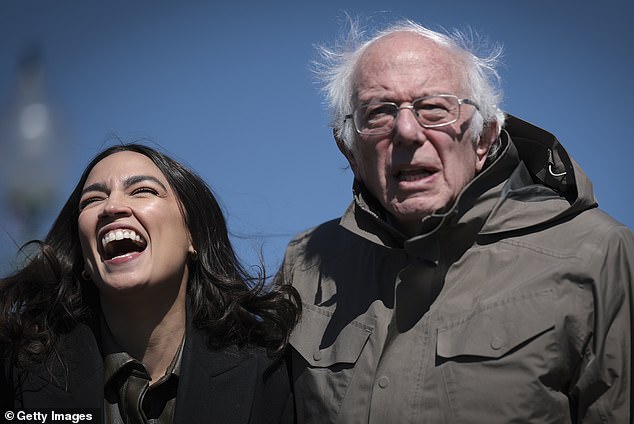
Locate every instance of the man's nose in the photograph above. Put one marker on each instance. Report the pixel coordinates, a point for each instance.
(407, 130)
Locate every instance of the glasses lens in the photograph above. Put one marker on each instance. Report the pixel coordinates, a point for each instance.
(436, 110)
(378, 118)
(375, 118)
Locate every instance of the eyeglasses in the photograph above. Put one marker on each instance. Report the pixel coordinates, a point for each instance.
(378, 118)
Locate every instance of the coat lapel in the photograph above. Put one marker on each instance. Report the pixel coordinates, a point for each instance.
(215, 385)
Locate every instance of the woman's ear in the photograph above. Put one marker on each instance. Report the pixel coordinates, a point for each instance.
(345, 150)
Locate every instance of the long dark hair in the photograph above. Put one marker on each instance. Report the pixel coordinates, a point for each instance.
(48, 297)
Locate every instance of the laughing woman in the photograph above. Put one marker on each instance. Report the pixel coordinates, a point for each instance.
(136, 307)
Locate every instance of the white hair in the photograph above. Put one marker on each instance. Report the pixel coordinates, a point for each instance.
(337, 68)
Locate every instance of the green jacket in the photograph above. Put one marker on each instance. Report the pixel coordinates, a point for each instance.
(514, 306)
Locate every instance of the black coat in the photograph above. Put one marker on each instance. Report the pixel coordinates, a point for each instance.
(215, 386)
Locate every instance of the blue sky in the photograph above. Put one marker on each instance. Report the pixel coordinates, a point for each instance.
(188, 75)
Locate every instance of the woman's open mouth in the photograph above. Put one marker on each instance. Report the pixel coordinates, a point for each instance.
(121, 242)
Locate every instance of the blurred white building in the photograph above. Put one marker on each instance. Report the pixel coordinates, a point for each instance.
(32, 161)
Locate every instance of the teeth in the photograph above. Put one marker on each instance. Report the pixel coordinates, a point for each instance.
(403, 176)
(120, 234)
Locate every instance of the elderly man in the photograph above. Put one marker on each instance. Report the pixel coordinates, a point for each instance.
(472, 279)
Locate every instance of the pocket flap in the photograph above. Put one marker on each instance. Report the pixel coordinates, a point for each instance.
(494, 330)
(323, 343)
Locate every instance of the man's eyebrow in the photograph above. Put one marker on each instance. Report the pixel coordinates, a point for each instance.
(127, 183)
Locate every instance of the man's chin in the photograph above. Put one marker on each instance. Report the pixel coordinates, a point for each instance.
(411, 214)
(408, 216)
(408, 223)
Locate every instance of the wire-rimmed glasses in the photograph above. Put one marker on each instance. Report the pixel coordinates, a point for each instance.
(379, 118)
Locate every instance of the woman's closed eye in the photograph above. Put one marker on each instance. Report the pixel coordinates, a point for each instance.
(88, 201)
(144, 191)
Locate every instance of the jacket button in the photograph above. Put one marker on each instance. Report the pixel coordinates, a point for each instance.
(497, 342)
(383, 382)
(317, 355)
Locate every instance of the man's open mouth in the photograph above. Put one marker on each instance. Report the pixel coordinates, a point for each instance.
(413, 174)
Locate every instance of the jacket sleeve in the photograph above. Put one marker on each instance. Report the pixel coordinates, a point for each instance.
(603, 391)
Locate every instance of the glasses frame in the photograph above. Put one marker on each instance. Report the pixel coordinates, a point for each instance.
(410, 107)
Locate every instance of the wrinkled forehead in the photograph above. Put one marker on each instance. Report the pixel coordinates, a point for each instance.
(410, 57)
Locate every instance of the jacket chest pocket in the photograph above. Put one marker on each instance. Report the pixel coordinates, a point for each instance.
(325, 354)
(491, 332)
(495, 361)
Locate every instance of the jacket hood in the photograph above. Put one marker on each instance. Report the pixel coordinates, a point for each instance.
(547, 186)
(532, 183)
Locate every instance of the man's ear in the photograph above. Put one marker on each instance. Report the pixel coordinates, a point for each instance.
(489, 134)
(343, 148)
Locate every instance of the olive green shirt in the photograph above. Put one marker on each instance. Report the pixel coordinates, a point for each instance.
(129, 396)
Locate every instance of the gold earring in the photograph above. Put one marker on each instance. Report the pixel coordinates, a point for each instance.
(194, 255)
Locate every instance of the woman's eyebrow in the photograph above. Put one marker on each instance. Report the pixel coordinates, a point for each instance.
(95, 187)
(127, 183)
(140, 178)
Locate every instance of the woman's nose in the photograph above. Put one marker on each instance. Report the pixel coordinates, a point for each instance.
(115, 204)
